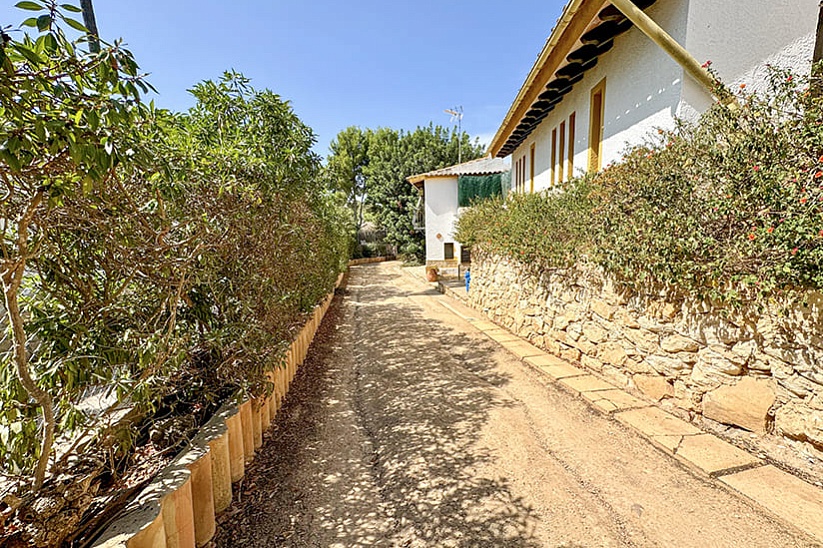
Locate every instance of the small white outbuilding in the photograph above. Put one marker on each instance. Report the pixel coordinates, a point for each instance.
(440, 207)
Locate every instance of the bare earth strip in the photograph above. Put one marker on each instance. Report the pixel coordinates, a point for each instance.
(408, 427)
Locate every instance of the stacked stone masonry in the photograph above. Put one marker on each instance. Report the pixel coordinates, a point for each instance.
(758, 369)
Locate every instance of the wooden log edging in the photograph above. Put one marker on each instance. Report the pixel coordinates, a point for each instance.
(178, 508)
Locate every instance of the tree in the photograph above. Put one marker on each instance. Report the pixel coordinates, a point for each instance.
(395, 155)
(347, 162)
(66, 113)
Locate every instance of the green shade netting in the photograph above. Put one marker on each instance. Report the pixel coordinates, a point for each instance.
(471, 188)
(506, 182)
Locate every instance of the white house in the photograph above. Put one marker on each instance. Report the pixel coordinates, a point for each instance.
(440, 205)
(612, 72)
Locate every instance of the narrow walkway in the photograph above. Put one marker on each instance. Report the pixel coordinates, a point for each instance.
(408, 427)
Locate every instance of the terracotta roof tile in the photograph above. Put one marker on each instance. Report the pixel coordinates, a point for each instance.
(481, 166)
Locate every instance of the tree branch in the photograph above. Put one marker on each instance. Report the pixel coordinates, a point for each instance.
(12, 275)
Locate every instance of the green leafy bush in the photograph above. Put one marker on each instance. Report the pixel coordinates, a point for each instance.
(730, 208)
(160, 260)
(543, 230)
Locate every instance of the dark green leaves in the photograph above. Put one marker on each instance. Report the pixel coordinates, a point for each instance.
(11, 159)
(29, 54)
(5, 63)
(49, 42)
(76, 25)
(43, 22)
(31, 6)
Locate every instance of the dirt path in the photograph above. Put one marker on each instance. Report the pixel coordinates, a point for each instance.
(407, 427)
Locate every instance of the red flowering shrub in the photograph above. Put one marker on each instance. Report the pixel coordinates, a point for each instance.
(730, 207)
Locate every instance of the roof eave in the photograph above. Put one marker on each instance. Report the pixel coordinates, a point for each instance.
(571, 13)
(414, 179)
(472, 167)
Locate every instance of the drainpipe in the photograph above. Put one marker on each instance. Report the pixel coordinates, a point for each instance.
(816, 87)
(660, 37)
(818, 44)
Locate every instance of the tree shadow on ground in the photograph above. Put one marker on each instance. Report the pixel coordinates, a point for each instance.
(386, 413)
(425, 392)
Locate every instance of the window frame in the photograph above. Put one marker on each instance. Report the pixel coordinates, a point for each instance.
(597, 124)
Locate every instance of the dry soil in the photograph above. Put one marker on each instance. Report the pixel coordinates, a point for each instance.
(408, 427)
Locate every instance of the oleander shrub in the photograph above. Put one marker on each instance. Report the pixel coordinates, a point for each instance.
(152, 262)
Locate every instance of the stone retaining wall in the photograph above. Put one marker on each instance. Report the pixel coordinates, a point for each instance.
(761, 370)
(178, 509)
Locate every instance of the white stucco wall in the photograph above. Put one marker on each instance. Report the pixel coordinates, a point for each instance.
(441, 215)
(740, 39)
(643, 90)
(646, 89)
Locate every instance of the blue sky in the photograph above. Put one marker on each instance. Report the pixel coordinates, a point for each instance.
(367, 63)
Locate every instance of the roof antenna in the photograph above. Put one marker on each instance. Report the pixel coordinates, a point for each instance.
(457, 114)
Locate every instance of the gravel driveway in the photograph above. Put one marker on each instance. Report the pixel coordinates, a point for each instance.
(408, 427)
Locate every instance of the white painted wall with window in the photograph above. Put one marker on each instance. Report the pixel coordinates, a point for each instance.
(645, 89)
(642, 93)
(441, 214)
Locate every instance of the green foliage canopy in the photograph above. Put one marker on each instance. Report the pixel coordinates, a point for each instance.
(391, 157)
(346, 165)
(160, 259)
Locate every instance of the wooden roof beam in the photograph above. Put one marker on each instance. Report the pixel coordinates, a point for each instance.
(668, 44)
(573, 23)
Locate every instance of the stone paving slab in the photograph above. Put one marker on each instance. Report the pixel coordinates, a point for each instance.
(614, 399)
(457, 293)
(655, 422)
(791, 498)
(554, 367)
(669, 443)
(586, 383)
(713, 455)
(483, 325)
(522, 349)
(501, 336)
(548, 360)
(558, 372)
(604, 405)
